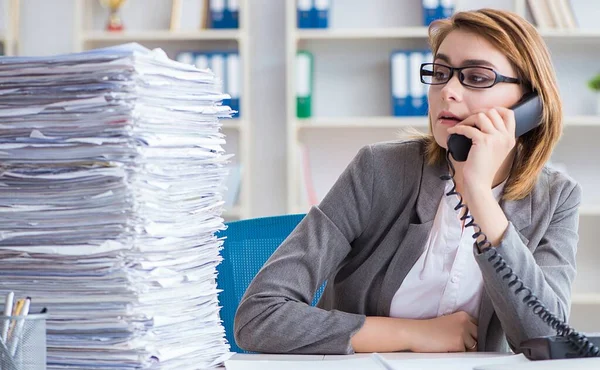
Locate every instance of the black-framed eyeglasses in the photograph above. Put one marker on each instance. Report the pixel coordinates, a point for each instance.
(471, 76)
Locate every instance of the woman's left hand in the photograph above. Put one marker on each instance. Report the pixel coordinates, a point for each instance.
(493, 135)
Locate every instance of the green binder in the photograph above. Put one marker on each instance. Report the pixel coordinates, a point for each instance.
(304, 83)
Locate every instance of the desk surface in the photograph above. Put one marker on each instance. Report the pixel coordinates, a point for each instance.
(435, 357)
(390, 356)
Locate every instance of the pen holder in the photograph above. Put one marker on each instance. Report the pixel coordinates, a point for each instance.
(25, 345)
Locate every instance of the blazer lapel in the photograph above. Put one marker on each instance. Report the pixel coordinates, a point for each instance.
(431, 191)
(412, 245)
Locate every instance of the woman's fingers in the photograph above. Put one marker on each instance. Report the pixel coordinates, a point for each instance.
(497, 120)
(480, 121)
(471, 132)
(473, 330)
(508, 117)
(470, 345)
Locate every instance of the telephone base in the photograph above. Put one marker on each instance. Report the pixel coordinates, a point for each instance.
(551, 347)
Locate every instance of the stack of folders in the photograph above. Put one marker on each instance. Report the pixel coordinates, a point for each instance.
(409, 95)
(110, 198)
(437, 9)
(313, 13)
(225, 65)
(224, 13)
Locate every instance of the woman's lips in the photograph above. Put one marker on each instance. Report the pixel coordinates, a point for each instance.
(448, 121)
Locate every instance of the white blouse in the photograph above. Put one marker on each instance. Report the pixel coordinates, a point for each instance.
(446, 278)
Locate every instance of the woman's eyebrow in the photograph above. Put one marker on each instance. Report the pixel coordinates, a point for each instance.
(468, 62)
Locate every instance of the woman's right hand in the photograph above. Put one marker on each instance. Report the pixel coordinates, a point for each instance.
(456, 332)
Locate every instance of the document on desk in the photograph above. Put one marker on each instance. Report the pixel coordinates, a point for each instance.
(379, 362)
(111, 192)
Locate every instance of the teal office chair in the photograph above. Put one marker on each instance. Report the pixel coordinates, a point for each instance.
(248, 245)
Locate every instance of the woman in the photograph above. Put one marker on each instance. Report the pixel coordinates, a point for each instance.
(402, 270)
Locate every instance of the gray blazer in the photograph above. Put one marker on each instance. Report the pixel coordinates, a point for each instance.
(371, 228)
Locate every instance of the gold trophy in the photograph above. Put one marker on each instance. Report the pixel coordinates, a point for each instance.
(114, 20)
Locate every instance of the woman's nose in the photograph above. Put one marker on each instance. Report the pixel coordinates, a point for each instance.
(453, 89)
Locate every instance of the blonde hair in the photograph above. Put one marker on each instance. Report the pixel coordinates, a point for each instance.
(525, 49)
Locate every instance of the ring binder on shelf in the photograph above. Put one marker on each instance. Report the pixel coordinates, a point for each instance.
(304, 68)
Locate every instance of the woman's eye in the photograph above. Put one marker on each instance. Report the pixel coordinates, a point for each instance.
(473, 78)
(440, 76)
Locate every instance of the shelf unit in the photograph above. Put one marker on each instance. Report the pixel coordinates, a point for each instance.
(335, 45)
(296, 36)
(9, 38)
(87, 36)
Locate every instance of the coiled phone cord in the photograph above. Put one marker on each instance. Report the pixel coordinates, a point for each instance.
(584, 347)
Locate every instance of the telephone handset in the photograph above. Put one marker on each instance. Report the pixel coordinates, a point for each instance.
(528, 115)
(568, 343)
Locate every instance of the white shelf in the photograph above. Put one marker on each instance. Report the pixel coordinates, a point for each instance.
(589, 211)
(361, 34)
(362, 122)
(582, 121)
(549, 33)
(208, 34)
(586, 299)
(419, 33)
(399, 122)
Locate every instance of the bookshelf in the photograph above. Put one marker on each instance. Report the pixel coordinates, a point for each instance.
(9, 38)
(351, 108)
(154, 32)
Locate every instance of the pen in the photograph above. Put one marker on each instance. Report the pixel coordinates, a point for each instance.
(20, 324)
(7, 311)
(16, 311)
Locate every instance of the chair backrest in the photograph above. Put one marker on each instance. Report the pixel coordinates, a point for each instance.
(248, 245)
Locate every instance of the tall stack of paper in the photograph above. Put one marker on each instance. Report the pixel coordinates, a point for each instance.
(110, 196)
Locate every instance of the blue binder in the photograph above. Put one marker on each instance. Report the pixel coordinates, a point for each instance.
(186, 57)
(446, 8)
(304, 13)
(409, 94)
(427, 58)
(232, 14)
(430, 11)
(320, 13)
(233, 79)
(399, 83)
(216, 62)
(217, 14)
(201, 60)
(227, 67)
(418, 90)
